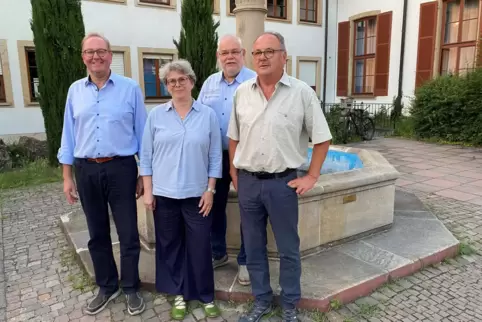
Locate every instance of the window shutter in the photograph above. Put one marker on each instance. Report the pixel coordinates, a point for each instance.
(426, 42)
(117, 65)
(2, 90)
(343, 58)
(382, 58)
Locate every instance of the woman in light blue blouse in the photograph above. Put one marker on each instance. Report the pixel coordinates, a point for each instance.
(180, 160)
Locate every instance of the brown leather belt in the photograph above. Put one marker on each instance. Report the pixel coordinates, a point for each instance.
(101, 160)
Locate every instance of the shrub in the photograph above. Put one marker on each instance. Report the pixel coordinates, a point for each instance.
(450, 108)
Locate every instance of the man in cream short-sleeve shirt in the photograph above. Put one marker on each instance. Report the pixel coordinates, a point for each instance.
(272, 119)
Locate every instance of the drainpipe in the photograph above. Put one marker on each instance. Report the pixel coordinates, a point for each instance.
(325, 63)
(398, 100)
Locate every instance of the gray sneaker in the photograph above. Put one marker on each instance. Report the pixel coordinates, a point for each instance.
(243, 275)
(100, 301)
(135, 303)
(290, 315)
(220, 262)
(256, 313)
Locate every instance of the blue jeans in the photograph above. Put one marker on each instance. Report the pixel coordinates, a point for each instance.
(260, 200)
(218, 212)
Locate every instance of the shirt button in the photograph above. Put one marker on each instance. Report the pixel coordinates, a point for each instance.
(223, 113)
(97, 101)
(97, 114)
(225, 98)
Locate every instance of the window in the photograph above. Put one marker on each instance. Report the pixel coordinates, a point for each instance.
(308, 69)
(32, 74)
(459, 36)
(364, 56)
(3, 97)
(121, 60)
(162, 2)
(308, 10)
(150, 61)
(276, 9)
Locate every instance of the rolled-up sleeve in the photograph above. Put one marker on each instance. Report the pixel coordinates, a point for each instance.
(65, 154)
(233, 128)
(315, 121)
(146, 153)
(215, 167)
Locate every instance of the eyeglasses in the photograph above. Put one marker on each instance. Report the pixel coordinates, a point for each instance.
(234, 52)
(89, 53)
(181, 80)
(268, 53)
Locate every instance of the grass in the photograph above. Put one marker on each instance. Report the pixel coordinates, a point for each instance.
(31, 174)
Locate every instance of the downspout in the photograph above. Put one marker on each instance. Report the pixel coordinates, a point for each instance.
(325, 63)
(398, 100)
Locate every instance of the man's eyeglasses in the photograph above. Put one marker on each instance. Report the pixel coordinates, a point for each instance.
(89, 53)
(268, 53)
(234, 52)
(181, 80)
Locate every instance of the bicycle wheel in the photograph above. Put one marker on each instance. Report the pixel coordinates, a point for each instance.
(348, 131)
(368, 129)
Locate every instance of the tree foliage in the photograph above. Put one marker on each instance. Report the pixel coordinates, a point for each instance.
(58, 29)
(450, 108)
(198, 39)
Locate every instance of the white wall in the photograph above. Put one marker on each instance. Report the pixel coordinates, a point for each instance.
(349, 8)
(133, 26)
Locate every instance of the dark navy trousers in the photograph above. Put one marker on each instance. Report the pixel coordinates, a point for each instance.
(99, 185)
(183, 249)
(218, 230)
(260, 200)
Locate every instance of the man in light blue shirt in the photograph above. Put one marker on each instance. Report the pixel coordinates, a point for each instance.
(217, 92)
(103, 126)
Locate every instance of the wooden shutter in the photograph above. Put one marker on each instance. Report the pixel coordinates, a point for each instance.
(343, 58)
(427, 28)
(117, 65)
(382, 58)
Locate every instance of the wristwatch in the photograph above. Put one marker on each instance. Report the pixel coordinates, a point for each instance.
(211, 190)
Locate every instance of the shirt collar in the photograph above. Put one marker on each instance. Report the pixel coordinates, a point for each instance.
(285, 80)
(112, 79)
(195, 106)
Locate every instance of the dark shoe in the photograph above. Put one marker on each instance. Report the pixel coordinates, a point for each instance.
(100, 301)
(290, 315)
(135, 303)
(256, 313)
(220, 262)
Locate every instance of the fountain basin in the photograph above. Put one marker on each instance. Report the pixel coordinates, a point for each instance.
(353, 197)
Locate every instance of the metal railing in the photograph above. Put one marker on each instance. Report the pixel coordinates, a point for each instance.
(382, 114)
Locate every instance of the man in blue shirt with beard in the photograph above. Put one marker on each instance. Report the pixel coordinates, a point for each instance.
(217, 92)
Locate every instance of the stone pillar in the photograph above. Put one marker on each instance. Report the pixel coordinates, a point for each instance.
(250, 17)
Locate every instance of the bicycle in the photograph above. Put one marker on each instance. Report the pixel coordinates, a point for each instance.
(357, 121)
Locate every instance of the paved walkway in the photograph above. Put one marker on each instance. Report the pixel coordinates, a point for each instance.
(39, 280)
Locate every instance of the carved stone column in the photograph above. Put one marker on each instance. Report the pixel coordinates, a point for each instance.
(250, 17)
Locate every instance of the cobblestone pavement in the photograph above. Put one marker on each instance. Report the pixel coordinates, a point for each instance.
(40, 281)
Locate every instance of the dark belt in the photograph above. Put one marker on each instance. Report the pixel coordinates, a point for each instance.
(269, 175)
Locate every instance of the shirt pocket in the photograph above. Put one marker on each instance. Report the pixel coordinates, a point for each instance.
(289, 117)
(211, 97)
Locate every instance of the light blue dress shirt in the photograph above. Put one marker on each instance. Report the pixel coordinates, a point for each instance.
(181, 155)
(102, 122)
(218, 94)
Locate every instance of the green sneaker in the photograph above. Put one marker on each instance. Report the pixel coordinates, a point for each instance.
(178, 311)
(211, 310)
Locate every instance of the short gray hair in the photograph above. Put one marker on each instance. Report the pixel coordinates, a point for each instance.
(181, 65)
(95, 35)
(240, 42)
(280, 38)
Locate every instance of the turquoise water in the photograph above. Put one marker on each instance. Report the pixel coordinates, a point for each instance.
(337, 161)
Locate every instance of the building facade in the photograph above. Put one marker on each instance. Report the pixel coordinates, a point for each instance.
(371, 50)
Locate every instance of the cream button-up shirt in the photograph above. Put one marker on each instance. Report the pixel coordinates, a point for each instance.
(274, 134)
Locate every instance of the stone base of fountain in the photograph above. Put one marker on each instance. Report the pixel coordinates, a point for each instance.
(346, 245)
